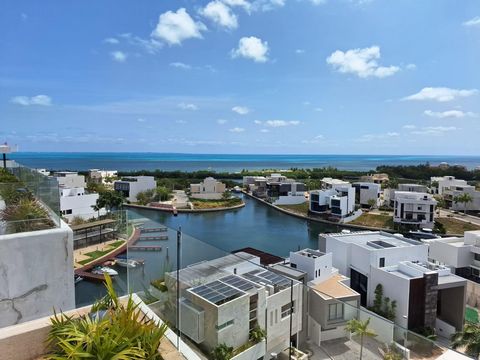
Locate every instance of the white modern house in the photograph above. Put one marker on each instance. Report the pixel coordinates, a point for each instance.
(100, 176)
(337, 197)
(460, 254)
(427, 295)
(131, 186)
(450, 188)
(75, 201)
(209, 189)
(412, 188)
(235, 296)
(286, 192)
(413, 208)
(366, 192)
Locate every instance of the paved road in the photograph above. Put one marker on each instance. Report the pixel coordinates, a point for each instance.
(467, 218)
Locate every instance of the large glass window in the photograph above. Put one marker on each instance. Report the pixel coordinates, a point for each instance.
(335, 311)
(286, 309)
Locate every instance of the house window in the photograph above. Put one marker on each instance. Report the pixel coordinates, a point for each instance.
(224, 325)
(287, 309)
(381, 263)
(293, 265)
(477, 257)
(335, 311)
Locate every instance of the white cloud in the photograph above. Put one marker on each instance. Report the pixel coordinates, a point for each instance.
(409, 127)
(175, 27)
(241, 3)
(267, 5)
(40, 100)
(119, 56)
(185, 106)
(411, 67)
(317, 139)
(180, 65)
(318, 2)
(434, 130)
(440, 94)
(264, 130)
(221, 121)
(151, 46)
(257, 122)
(448, 114)
(237, 129)
(299, 51)
(318, 109)
(141, 120)
(280, 123)
(111, 40)
(180, 122)
(472, 22)
(220, 14)
(361, 62)
(251, 48)
(371, 137)
(242, 110)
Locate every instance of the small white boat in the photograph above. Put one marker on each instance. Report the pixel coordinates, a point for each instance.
(77, 279)
(100, 270)
(128, 263)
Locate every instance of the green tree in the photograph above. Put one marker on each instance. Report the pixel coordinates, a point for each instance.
(464, 199)
(163, 193)
(226, 195)
(469, 338)
(360, 328)
(377, 302)
(257, 334)
(222, 352)
(145, 197)
(372, 203)
(109, 200)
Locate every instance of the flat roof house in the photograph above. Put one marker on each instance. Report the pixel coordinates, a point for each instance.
(366, 193)
(416, 209)
(236, 295)
(336, 197)
(450, 188)
(209, 188)
(131, 186)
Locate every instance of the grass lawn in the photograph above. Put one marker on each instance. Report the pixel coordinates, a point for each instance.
(454, 226)
(374, 220)
(471, 314)
(214, 204)
(301, 209)
(93, 255)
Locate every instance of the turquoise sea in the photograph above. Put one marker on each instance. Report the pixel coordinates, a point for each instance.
(224, 162)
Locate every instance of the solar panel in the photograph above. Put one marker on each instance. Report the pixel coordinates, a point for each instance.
(216, 292)
(274, 279)
(237, 282)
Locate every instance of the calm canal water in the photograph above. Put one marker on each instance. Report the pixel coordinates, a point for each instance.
(207, 236)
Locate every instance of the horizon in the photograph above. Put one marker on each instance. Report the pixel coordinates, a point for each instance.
(207, 76)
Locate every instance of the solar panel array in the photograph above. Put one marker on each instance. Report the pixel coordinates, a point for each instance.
(216, 292)
(268, 277)
(237, 282)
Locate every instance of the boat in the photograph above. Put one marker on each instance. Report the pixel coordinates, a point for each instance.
(237, 189)
(100, 270)
(77, 278)
(128, 263)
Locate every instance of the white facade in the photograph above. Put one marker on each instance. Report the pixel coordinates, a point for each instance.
(447, 182)
(450, 188)
(36, 274)
(76, 202)
(70, 179)
(317, 265)
(367, 192)
(336, 197)
(209, 189)
(412, 208)
(131, 186)
(412, 188)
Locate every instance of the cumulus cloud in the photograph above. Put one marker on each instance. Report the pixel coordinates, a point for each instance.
(242, 110)
(317, 139)
(267, 5)
(240, 3)
(251, 48)
(434, 130)
(40, 100)
(448, 114)
(185, 106)
(119, 56)
(411, 67)
(318, 2)
(440, 94)
(277, 123)
(175, 27)
(111, 40)
(472, 22)
(361, 62)
(237, 130)
(221, 121)
(371, 137)
(151, 46)
(180, 65)
(299, 51)
(219, 13)
(409, 127)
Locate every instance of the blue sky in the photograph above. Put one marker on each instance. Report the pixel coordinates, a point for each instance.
(241, 76)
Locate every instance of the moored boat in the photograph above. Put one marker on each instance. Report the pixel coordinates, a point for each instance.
(128, 263)
(100, 270)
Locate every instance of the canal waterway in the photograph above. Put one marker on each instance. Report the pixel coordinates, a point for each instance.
(206, 236)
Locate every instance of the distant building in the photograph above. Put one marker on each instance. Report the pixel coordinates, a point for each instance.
(209, 189)
(375, 178)
(366, 192)
(43, 172)
(235, 296)
(450, 188)
(70, 179)
(336, 197)
(99, 176)
(412, 188)
(285, 192)
(131, 186)
(257, 185)
(413, 208)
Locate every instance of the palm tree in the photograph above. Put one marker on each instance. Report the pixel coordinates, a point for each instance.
(469, 338)
(360, 328)
(222, 352)
(464, 199)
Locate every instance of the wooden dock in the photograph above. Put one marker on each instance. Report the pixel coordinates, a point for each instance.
(157, 237)
(145, 248)
(89, 276)
(156, 229)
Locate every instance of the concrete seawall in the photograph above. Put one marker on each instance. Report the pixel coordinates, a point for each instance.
(191, 211)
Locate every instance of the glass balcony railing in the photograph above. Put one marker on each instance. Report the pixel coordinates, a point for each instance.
(217, 301)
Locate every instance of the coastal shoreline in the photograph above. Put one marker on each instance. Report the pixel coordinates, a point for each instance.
(186, 211)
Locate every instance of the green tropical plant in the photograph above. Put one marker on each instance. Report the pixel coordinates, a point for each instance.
(26, 215)
(360, 328)
(145, 197)
(372, 203)
(226, 195)
(383, 306)
(222, 352)
(112, 330)
(468, 338)
(392, 353)
(464, 199)
(257, 334)
(108, 199)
